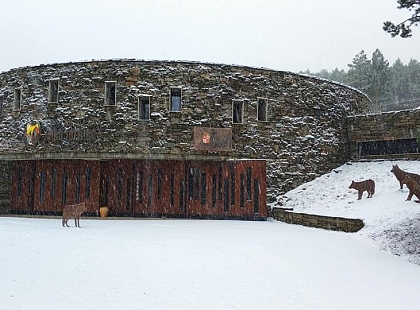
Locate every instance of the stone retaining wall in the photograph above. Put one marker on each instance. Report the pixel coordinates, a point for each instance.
(389, 126)
(317, 221)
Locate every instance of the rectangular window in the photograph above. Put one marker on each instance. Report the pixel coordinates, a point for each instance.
(220, 183)
(256, 195)
(53, 181)
(120, 183)
(232, 186)
(181, 195)
(159, 183)
(88, 178)
(238, 111)
(175, 99)
(78, 180)
(248, 184)
(203, 189)
(64, 191)
(190, 183)
(139, 187)
(172, 195)
(17, 101)
(128, 207)
(196, 183)
(262, 109)
(20, 181)
(242, 192)
(53, 90)
(110, 93)
(42, 187)
(226, 200)
(149, 190)
(106, 189)
(144, 107)
(213, 191)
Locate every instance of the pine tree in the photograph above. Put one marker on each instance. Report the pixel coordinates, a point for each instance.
(413, 69)
(400, 80)
(380, 86)
(403, 29)
(359, 73)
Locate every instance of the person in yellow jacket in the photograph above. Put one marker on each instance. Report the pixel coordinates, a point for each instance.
(32, 130)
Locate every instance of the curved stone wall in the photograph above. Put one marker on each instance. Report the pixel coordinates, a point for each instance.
(303, 136)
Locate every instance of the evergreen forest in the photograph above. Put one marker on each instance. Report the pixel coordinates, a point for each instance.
(391, 88)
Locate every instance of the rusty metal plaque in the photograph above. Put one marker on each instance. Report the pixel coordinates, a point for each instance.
(213, 139)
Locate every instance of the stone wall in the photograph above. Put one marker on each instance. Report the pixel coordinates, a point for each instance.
(318, 221)
(389, 126)
(303, 137)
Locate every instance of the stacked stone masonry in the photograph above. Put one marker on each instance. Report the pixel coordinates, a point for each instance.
(318, 221)
(388, 127)
(304, 136)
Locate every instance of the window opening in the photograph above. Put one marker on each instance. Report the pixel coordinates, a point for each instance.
(53, 181)
(149, 190)
(172, 195)
(226, 200)
(237, 111)
(53, 90)
(110, 93)
(220, 184)
(232, 186)
(42, 187)
(213, 191)
(242, 192)
(17, 99)
(190, 183)
(203, 189)
(248, 184)
(262, 109)
(256, 195)
(120, 183)
(106, 191)
(88, 179)
(20, 181)
(159, 183)
(78, 180)
(139, 188)
(64, 192)
(196, 183)
(175, 99)
(128, 196)
(144, 107)
(181, 195)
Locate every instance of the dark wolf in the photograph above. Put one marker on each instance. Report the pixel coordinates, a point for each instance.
(400, 175)
(366, 185)
(413, 187)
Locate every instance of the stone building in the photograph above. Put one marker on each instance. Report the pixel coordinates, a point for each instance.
(165, 138)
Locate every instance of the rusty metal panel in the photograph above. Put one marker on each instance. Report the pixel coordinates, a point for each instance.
(147, 188)
(213, 139)
(22, 187)
(43, 187)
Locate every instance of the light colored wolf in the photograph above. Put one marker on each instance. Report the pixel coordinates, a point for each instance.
(73, 212)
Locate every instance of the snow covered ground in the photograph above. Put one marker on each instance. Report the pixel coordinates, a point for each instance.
(391, 222)
(199, 264)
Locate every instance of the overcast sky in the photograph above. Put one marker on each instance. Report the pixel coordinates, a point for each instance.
(290, 35)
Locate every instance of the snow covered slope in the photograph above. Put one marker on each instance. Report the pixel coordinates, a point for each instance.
(391, 222)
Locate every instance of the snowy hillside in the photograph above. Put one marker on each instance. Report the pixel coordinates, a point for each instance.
(391, 222)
